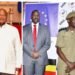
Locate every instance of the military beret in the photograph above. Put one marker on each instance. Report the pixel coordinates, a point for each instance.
(70, 15)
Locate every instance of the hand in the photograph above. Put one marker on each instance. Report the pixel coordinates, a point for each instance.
(67, 70)
(35, 54)
(70, 67)
(17, 71)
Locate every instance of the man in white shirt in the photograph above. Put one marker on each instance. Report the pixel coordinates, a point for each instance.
(10, 47)
(36, 42)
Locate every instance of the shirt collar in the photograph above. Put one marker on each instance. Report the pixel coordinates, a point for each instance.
(37, 24)
(3, 26)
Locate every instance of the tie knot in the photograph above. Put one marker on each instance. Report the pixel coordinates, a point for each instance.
(34, 25)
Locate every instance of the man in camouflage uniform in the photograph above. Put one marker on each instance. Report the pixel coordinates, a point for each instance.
(66, 47)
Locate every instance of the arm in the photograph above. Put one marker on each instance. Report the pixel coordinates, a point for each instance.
(70, 65)
(46, 44)
(59, 45)
(26, 47)
(61, 55)
(18, 51)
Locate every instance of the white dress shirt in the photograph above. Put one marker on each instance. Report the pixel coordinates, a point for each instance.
(37, 26)
(10, 49)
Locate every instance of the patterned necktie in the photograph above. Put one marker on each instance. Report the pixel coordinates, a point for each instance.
(34, 36)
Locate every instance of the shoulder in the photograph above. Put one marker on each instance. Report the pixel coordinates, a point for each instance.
(12, 28)
(62, 29)
(43, 26)
(26, 26)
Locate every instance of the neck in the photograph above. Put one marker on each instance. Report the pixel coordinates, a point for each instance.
(35, 23)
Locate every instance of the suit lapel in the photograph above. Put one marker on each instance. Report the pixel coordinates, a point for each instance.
(30, 34)
(39, 35)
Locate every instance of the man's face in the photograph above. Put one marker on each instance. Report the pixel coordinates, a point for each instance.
(72, 22)
(3, 17)
(35, 17)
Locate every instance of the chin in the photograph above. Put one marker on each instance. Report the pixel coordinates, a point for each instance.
(35, 22)
(1, 23)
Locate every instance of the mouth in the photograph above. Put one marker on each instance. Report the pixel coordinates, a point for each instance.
(35, 19)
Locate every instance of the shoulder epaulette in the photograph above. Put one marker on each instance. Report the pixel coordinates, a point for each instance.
(63, 29)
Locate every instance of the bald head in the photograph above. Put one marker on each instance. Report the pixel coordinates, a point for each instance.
(3, 16)
(3, 10)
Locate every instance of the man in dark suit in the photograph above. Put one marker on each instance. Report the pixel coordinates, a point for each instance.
(36, 42)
